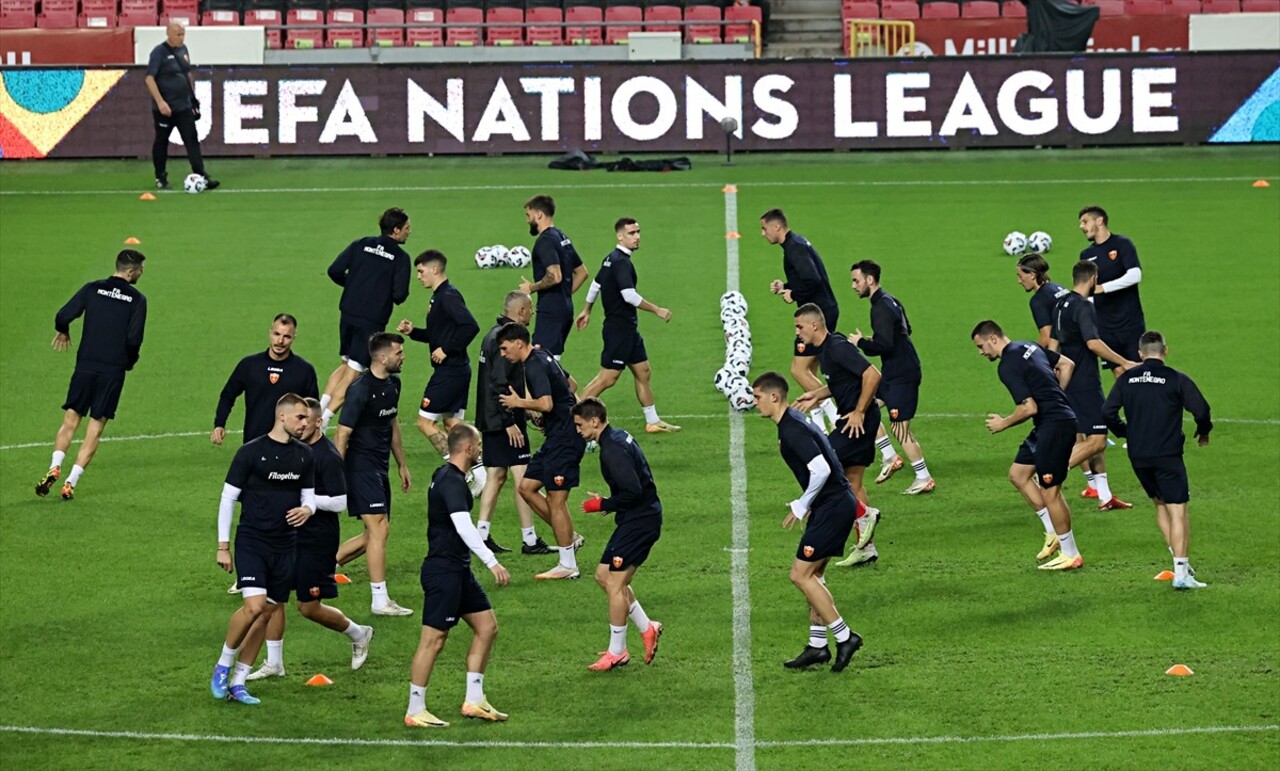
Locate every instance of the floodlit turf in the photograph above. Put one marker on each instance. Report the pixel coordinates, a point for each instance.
(113, 609)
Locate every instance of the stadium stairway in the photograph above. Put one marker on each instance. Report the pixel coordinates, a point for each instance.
(805, 28)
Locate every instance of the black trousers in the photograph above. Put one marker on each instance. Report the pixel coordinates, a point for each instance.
(185, 121)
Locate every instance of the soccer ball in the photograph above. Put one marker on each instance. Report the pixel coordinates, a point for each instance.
(734, 299)
(194, 183)
(519, 257)
(1015, 243)
(501, 255)
(741, 398)
(1040, 241)
(738, 362)
(737, 333)
(724, 376)
(484, 258)
(476, 479)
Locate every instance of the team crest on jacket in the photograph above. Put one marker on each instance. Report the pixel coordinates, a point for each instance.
(315, 591)
(617, 563)
(1046, 479)
(893, 414)
(559, 480)
(1112, 255)
(274, 377)
(799, 347)
(808, 551)
(425, 402)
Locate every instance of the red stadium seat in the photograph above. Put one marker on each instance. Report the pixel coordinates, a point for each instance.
(138, 13)
(426, 27)
(582, 25)
(1111, 7)
(1220, 6)
(980, 9)
(463, 36)
(384, 36)
(1145, 7)
(1181, 7)
(304, 38)
(660, 18)
(190, 7)
(1260, 6)
(220, 19)
(940, 9)
(859, 9)
(346, 28)
(97, 14)
(620, 34)
(1013, 9)
(742, 30)
(267, 18)
(185, 18)
(511, 33)
(704, 24)
(17, 14)
(899, 9)
(550, 35)
(58, 14)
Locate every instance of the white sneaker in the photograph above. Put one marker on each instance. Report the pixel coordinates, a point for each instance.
(868, 524)
(265, 671)
(360, 650)
(392, 608)
(234, 588)
(1189, 582)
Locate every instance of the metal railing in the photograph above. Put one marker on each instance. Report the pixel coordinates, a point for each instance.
(880, 37)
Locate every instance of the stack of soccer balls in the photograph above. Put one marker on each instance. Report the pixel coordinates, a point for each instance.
(1018, 243)
(731, 379)
(498, 256)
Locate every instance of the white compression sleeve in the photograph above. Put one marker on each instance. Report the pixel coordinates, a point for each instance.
(593, 292)
(471, 537)
(632, 296)
(1130, 278)
(819, 471)
(309, 498)
(331, 502)
(226, 509)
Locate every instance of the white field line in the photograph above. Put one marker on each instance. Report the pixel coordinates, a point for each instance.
(711, 416)
(744, 687)
(225, 191)
(887, 740)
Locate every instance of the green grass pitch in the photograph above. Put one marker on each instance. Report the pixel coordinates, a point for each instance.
(112, 608)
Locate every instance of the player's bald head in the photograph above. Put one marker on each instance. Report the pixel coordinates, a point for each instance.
(461, 435)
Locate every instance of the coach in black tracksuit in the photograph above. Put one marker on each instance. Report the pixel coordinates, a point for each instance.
(174, 104)
(1153, 397)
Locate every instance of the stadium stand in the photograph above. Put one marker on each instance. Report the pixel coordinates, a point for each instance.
(17, 14)
(1260, 6)
(384, 36)
(297, 36)
(426, 27)
(346, 28)
(980, 9)
(550, 35)
(741, 31)
(939, 9)
(660, 18)
(704, 23)
(899, 9)
(1220, 6)
(98, 13)
(221, 18)
(620, 33)
(508, 29)
(582, 25)
(1013, 8)
(463, 36)
(138, 13)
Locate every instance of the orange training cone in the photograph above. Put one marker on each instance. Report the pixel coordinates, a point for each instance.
(132, 241)
(1179, 670)
(344, 579)
(319, 680)
(1262, 183)
(146, 197)
(729, 189)
(733, 235)
(1164, 575)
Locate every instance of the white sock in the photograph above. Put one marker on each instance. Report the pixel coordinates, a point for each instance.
(76, 471)
(829, 409)
(528, 535)
(1088, 477)
(1180, 567)
(887, 453)
(817, 418)
(326, 416)
(651, 414)
(324, 401)
(475, 687)
(922, 471)
(817, 636)
(354, 631)
(839, 630)
(1043, 514)
(568, 558)
(239, 674)
(639, 617)
(275, 653)
(228, 656)
(1068, 542)
(483, 527)
(617, 639)
(58, 457)
(379, 592)
(417, 699)
(1104, 489)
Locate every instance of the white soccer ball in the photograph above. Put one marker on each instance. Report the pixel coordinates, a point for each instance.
(741, 398)
(519, 256)
(1040, 241)
(194, 183)
(724, 376)
(736, 333)
(476, 479)
(735, 299)
(501, 255)
(738, 363)
(1015, 243)
(732, 313)
(484, 258)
